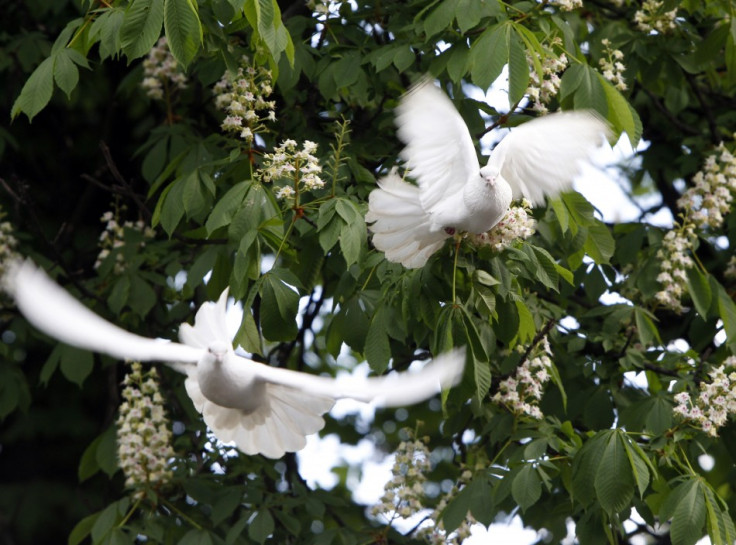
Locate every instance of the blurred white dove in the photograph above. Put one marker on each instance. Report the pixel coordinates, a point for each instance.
(454, 194)
(263, 409)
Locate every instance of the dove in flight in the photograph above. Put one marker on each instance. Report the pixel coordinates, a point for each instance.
(263, 409)
(454, 194)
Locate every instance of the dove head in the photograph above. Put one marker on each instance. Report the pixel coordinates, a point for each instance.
(218, 349)
(489, 173)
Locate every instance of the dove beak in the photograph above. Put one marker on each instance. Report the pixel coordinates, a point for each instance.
(490, 180)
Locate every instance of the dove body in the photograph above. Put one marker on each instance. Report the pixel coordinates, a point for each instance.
(453, 194)
(221, 384)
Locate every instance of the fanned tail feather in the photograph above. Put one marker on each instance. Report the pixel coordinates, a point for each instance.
(278, 426)
(400, 225)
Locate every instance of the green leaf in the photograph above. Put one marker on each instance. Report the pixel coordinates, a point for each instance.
(518, 69)
(82, 529)
(560, 211)
(488, 55)
(261, 526)
(621, 113)
(279, 306)
(225, 505)
(700, 292)
(224, 210)
(119, 295)
(581, 88)
(688, 517)
(141, 27)
(352, 238)
(265, 18)
(639, 466)
(66, 73)
(648, 332)
(76, 364)
(196, 536)
(377, 348)
(36, 92)
(526, 488)
(727, 312)
(440, 18)
(586, 465)
(482, 376)
(456, 510)
(527, 329)
(614, 481)
(247, 335)
(600, 244)
(183, 29)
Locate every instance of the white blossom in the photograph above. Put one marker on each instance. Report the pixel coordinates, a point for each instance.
(517, 224)
(545, 86)
(143, 436)
(161, 71)
(298, 166)
(243, 95)
(521, 392)
(652, 18)
(611, 66)
(716, 400)
(113, 239)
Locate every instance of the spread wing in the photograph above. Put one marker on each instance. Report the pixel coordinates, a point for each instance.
(54, 311)
(543, 156)
(438, 148)
(393, 390)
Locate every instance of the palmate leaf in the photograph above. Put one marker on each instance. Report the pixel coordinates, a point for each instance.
(688, 517)
(141, 27)
(183, 29)
(614, 480)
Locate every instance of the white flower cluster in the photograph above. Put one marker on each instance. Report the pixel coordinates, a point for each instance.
(708, 201)
(674, 261)
(541, 92)
(651, 17)
(144, 439)
(517, 224)
(611, 66)
(436, 534)
(161, 72)
(113, 238)
(567, 5)
(715, 402)
(299, 166)
(704, 206)
(244, 97)
(8, 243)
(521, 393)
(404, 494)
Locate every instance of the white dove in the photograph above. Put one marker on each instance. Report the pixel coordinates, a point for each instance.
(539, 158)
(263, 409)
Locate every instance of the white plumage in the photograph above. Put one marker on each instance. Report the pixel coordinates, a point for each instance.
(536, 159)
(263, 409)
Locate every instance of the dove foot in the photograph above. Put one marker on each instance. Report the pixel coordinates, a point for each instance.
(450, 230)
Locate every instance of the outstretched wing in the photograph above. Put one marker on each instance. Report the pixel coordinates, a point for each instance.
(210, 325)
(438, 148)
(543, 156)
(393, 390)
(54, 311)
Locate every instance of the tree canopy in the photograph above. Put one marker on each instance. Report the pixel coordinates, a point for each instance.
(159, 151)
